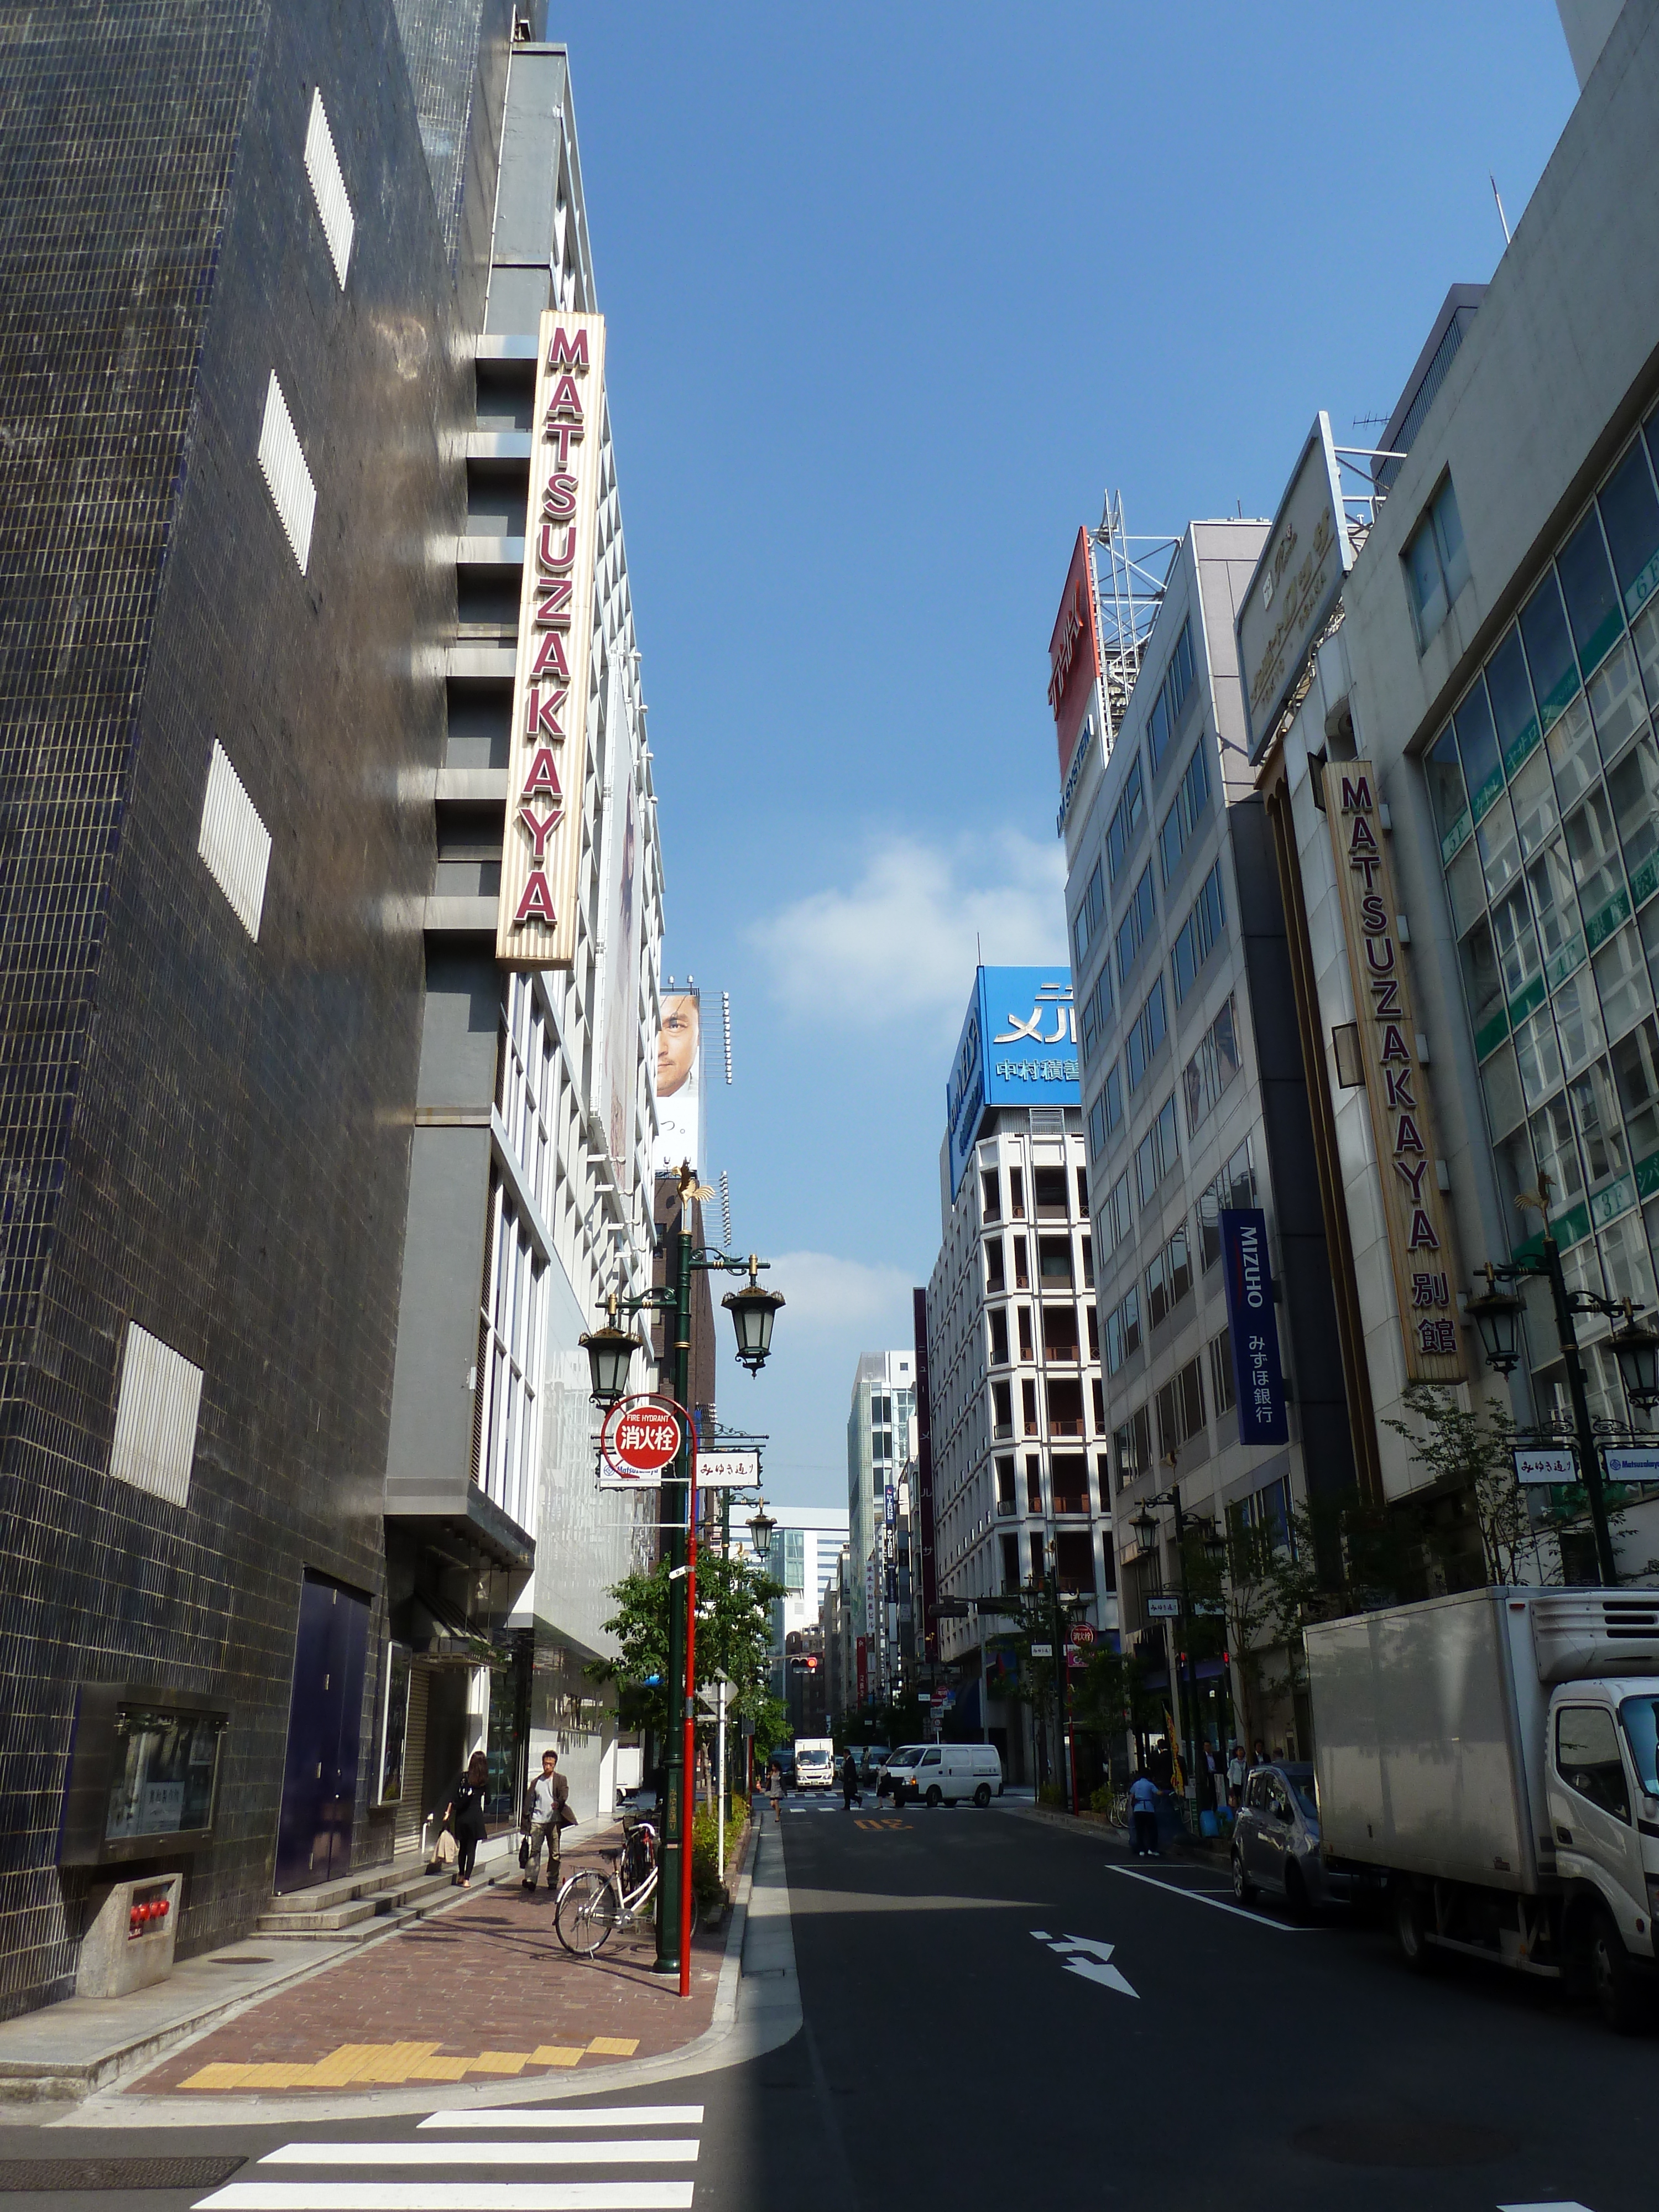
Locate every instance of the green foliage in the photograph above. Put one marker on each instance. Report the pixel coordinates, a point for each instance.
(1051, 1794)
(734, 1603)
(1111, 1695)
(1100, 1801)
(1470, 1449)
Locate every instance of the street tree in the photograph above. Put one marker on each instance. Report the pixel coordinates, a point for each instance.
(734, 1602)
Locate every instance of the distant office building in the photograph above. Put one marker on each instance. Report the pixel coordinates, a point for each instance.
(314, 1170)
(1018, 1424)
(1465, 783)
(878, 1442)
(1218, 1342)
(804, 1549)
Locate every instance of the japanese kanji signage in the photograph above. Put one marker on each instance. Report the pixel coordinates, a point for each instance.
(1252, 1327)
(1419, 1226)
(547, 757)
(1018, 1047)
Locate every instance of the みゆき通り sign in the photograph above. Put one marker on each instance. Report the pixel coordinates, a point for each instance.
(547, 757)
(1419, 1226)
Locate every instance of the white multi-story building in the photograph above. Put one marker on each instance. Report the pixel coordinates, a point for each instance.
(881, 1438)
(1021, 1484)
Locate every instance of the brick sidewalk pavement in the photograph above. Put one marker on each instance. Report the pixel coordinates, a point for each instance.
(486, 1990)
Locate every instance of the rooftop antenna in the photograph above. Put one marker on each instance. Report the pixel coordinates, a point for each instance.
(725, 1017)
(1130, 574)
(1498, 196)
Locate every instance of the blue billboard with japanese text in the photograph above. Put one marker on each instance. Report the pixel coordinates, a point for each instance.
(1253, 1326)
(1018, 1047)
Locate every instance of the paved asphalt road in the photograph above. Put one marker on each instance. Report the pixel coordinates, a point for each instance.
(970, 2040)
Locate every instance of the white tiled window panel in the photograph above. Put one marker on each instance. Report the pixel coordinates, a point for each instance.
(284, 464)
(155, 1418)
(234, 843)
(323, 167)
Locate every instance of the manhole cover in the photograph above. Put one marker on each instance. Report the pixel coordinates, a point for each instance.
(245, 1958)
(43, 2173)
(1402, 2142)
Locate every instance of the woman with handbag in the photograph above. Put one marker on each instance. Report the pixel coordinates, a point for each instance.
(464, 1814)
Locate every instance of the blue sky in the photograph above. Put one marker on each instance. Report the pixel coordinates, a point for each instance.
(893, 295)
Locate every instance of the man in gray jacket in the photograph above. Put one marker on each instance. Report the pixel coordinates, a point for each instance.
(546, 1810)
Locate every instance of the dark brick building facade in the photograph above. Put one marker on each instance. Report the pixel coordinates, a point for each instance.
(204, 1134)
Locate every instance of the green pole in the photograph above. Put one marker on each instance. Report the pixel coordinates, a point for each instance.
(1588, 1449)
(676, 1831)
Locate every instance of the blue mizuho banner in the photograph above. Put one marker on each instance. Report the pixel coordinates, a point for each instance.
(1253, 1327)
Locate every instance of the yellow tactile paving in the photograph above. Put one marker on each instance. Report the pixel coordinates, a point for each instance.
(359, 2063)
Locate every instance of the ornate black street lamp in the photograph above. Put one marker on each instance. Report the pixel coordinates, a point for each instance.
(761, 1525)
(753, 1310)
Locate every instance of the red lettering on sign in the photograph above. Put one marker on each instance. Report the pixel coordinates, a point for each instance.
(1386, 996)
(1412, 1178)
(1357, 797)
(552, 656)
(543, 719)
(538, 827)
(547, 557)
(543, 777)
(1394, 1045)
(569, 350)
(1373, 914)
(1373, 946)
(1422, 1238)
(537, 904)
(553, 602)
(1405, 1139)
(565, 405)
(1360, 839)
(559, 500)
(1400, 1088)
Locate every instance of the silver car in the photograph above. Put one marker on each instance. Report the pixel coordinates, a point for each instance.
(1276, 1842)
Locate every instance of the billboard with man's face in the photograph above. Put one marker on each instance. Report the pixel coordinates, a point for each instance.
(679, 1080)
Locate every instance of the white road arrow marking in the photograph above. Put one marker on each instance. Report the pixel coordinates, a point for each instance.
(1095, 1967)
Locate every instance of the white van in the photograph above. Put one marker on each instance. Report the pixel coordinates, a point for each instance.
(945, 1773)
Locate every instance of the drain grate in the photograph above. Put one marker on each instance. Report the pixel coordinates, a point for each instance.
(43, 2173)
(1402, 2142)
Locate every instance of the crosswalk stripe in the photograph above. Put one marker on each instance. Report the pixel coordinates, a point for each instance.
(660, 2150)
(561, 2116)
(448, 2196)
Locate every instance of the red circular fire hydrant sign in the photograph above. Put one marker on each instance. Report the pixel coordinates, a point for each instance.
(639, 1436)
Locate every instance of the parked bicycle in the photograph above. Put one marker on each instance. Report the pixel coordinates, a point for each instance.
(590, 1904)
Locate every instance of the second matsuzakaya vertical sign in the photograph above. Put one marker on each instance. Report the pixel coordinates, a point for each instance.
(547, 759)
(1419, 1229)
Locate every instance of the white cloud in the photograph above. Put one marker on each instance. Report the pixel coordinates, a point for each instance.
(901, 939)
(825, 1292)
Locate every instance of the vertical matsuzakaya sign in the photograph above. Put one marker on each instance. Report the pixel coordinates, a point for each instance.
(547, 759)
(1420, 1227)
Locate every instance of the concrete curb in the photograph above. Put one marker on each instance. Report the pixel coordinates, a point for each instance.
(739, 2029)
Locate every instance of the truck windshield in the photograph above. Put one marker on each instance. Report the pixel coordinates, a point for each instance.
(1640, 1716)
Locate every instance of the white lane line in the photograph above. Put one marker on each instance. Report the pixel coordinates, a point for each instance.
(1556, 2204)
(485, 2195)
(1215, 1904)
(671, 2150)
(570, 2116)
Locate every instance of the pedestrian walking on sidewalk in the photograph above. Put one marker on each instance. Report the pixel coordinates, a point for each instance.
(1143, 1816)
(546, 1812)
(465, 1815)
(849, 1782)
(774, 1791)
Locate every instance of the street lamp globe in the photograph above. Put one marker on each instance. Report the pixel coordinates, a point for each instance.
(761, 1525)
(1636, 1347)
(1497, 1314)
(609, 1350)
(752, 1310)
(1144, 1524)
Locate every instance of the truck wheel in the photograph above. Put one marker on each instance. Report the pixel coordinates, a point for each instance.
(935, 1795)
(1411, 1929)
(1613, 1978)
(1244, 1888)
(982, 1796)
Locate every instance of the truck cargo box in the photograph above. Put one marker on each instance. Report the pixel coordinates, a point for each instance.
(1429, 1724)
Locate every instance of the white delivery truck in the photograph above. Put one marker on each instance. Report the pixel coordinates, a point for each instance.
(815, 1762)
(1493, 1755)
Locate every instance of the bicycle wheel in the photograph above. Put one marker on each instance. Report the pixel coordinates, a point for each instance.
(585, 1912)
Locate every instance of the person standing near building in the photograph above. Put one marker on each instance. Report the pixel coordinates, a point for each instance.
(1143, 1816)
(849, 1782)
(546, 1811)
(465, 1815)
(1235, 1777)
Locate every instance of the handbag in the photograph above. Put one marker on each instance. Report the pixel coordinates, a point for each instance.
(449, 1850)
(523, 1850)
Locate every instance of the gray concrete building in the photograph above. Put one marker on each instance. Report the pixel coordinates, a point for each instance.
(1495, 668)
(1194, 1111)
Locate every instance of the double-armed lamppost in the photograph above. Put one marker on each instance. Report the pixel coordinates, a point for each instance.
(1497, 1315)
(1147, 1527)
(610, 1351)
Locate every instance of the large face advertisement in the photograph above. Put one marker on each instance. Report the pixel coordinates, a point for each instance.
(680, 1081)
(547, 756)
(1074, 654)
(1018, 1047)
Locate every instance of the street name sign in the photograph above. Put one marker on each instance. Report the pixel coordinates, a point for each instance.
(1626, 1463)
(728, 1470)
(1043, 1651)
(1164, 1608)
(1556, 1464)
